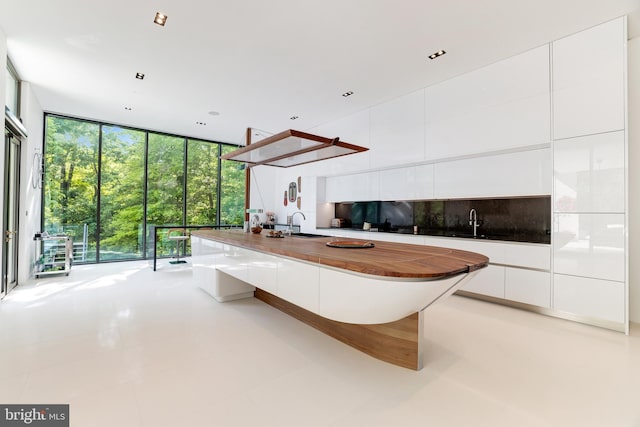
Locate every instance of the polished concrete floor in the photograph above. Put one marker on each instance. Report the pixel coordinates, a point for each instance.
(125, 346)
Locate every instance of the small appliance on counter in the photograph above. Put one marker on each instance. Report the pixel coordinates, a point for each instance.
(340, 223)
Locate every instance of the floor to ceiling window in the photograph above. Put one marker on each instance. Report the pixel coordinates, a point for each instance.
(202, 183)
(232, 190)
(165, 185)
(107, 186)
(71, 183)
(121, 193)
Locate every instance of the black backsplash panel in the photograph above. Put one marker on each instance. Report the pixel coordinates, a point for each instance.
(520, 219)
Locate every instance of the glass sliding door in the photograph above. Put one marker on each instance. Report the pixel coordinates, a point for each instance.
(71, 183)
(10, 220)
(165, 187)
(121, 193)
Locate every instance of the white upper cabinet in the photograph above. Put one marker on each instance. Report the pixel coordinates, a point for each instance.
(589, 173)
(588, 81)
(397, 131)
(514, 174)
(410, 183)
(353, 188)
(501, 106)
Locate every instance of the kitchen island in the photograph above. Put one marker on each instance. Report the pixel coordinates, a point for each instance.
(370, 298)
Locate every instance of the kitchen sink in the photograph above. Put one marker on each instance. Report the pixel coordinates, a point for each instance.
(468, 236)
(307, 235)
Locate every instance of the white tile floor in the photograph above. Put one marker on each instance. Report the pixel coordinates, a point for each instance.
(125, 346)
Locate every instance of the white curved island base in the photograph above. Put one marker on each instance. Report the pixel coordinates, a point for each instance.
(380, 316)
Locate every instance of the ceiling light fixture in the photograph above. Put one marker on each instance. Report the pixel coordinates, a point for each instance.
(127, 108)
(437, 54)
(214, 113)
(294, 117)
(140, 76)
(160, 19)
(346, 94)
(201, 123)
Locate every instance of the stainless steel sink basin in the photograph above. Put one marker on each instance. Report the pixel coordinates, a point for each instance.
(468, 236)
(307, 235)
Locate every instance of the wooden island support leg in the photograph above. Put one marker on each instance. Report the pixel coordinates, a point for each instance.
(399, 342)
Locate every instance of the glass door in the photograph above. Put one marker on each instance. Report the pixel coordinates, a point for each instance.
(10, 220)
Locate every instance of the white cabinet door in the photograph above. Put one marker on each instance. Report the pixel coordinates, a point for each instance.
(335, 190)
(589, 245)
(589, 173)
(263, 272)
(351, 188)
(408, 183)
(424, 182)
(527, 255)
(234, 261)
(203, 259)
(528, 286)
(298, 283)
(588, 81)
(397, 131)
(488, 281)
(514, 174)
(398, 184)
(600, 299)
(503, 105)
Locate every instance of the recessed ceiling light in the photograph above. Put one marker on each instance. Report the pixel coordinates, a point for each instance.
(437, 54)
(294, 117)
(349, 93)
(201, 123)
(127, 108)
(214, 113)
(160, 19)
(139, 76)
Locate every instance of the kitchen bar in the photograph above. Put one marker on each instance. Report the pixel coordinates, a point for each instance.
(372, 299)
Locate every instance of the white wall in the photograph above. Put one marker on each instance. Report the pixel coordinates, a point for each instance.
(633, 59)
(30, 196)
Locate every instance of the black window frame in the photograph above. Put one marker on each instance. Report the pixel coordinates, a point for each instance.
(146, 252)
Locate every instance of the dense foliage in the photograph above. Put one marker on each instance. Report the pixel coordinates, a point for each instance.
(93, 169)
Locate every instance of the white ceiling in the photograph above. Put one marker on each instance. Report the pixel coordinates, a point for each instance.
(259, 62)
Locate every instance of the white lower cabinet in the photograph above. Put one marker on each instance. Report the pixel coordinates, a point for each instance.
(263, 272)
(528, 286)
(488, 281)
(298, 283)
(234, 262)
(221, 276)
(590, 298)
(203, 259)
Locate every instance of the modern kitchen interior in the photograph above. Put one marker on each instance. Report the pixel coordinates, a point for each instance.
(238, 217)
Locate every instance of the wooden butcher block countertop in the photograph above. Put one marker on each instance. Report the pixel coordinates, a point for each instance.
(387, 259)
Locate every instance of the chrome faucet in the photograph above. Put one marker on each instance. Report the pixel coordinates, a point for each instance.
(292, 215)
(473, 221)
